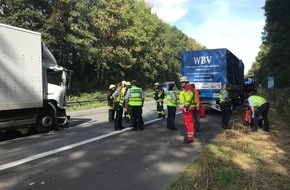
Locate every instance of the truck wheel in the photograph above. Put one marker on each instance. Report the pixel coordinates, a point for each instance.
(45, 121)
(236, 103)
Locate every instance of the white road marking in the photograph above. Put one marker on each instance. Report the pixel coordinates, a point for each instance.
(64, 148)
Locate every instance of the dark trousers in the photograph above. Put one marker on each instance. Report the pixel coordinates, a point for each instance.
(111, 115)
(136, 117)
(118, 120)
(171, 117)
(196, 120)
(226, 112)
(262, 111)
(128, 114)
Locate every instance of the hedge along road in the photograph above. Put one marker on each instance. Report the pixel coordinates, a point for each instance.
(90, 154)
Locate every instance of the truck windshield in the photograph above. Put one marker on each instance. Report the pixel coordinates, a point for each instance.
(54, 77)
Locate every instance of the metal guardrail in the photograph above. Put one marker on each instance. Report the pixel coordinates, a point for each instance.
(81, 102)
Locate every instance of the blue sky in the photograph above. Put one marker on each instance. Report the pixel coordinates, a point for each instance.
(232, 24)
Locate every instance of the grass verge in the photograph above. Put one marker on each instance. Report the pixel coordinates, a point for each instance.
(240, 159)
(95, 100)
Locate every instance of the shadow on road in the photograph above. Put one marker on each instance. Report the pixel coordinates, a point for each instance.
(13, 133)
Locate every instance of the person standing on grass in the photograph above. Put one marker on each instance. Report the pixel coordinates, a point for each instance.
(225, 106)
(171, 106)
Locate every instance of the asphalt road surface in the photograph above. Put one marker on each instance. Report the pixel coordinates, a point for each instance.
(91, 155)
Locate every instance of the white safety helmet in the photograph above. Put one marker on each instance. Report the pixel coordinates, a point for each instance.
(156, 84)
(184, 79)
(111, 86)
(128, 83)
(123, 82)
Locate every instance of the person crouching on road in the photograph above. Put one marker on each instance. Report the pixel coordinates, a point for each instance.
(171, 106)
(110, 101)
(187, 104)
(135, 97)
(159, 97)
(118, 104)
(225, 106)
(260, 108)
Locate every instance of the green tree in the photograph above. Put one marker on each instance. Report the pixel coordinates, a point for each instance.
(277, 38)
(103, 41)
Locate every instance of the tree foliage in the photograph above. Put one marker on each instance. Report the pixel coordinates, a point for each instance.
(273, 58)
(103, 41)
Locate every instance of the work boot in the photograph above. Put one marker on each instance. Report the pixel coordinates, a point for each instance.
(197, 130)
(186, 141)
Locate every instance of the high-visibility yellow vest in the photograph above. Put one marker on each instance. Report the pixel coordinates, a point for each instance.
(258, 101)
(120, 99)
(135, 96)
(187, 99)
(221, 96)
(170, 100)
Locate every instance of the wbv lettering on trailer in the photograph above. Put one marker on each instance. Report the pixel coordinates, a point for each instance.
(202, 60)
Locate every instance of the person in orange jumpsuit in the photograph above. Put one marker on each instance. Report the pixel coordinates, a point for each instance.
(196, 110)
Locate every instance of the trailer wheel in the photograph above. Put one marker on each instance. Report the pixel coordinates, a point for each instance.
(45, 121)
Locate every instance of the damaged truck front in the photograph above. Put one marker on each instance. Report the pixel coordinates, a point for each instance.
(32, 85)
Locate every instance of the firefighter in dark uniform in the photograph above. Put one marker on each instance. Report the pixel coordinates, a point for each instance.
(110, 101)
(159, 97)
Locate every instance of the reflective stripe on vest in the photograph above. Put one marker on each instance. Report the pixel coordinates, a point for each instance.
(135, 98)
(258, 101)
(170, 100)
(187, 99)
(159, 94)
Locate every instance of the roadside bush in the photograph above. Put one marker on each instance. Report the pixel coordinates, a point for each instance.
(281, 98)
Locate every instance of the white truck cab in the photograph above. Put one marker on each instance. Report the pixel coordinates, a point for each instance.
(32, 85)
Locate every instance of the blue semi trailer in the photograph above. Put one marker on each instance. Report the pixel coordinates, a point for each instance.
(209, 70)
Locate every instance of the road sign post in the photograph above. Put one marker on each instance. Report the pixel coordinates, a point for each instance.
(270, 82)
